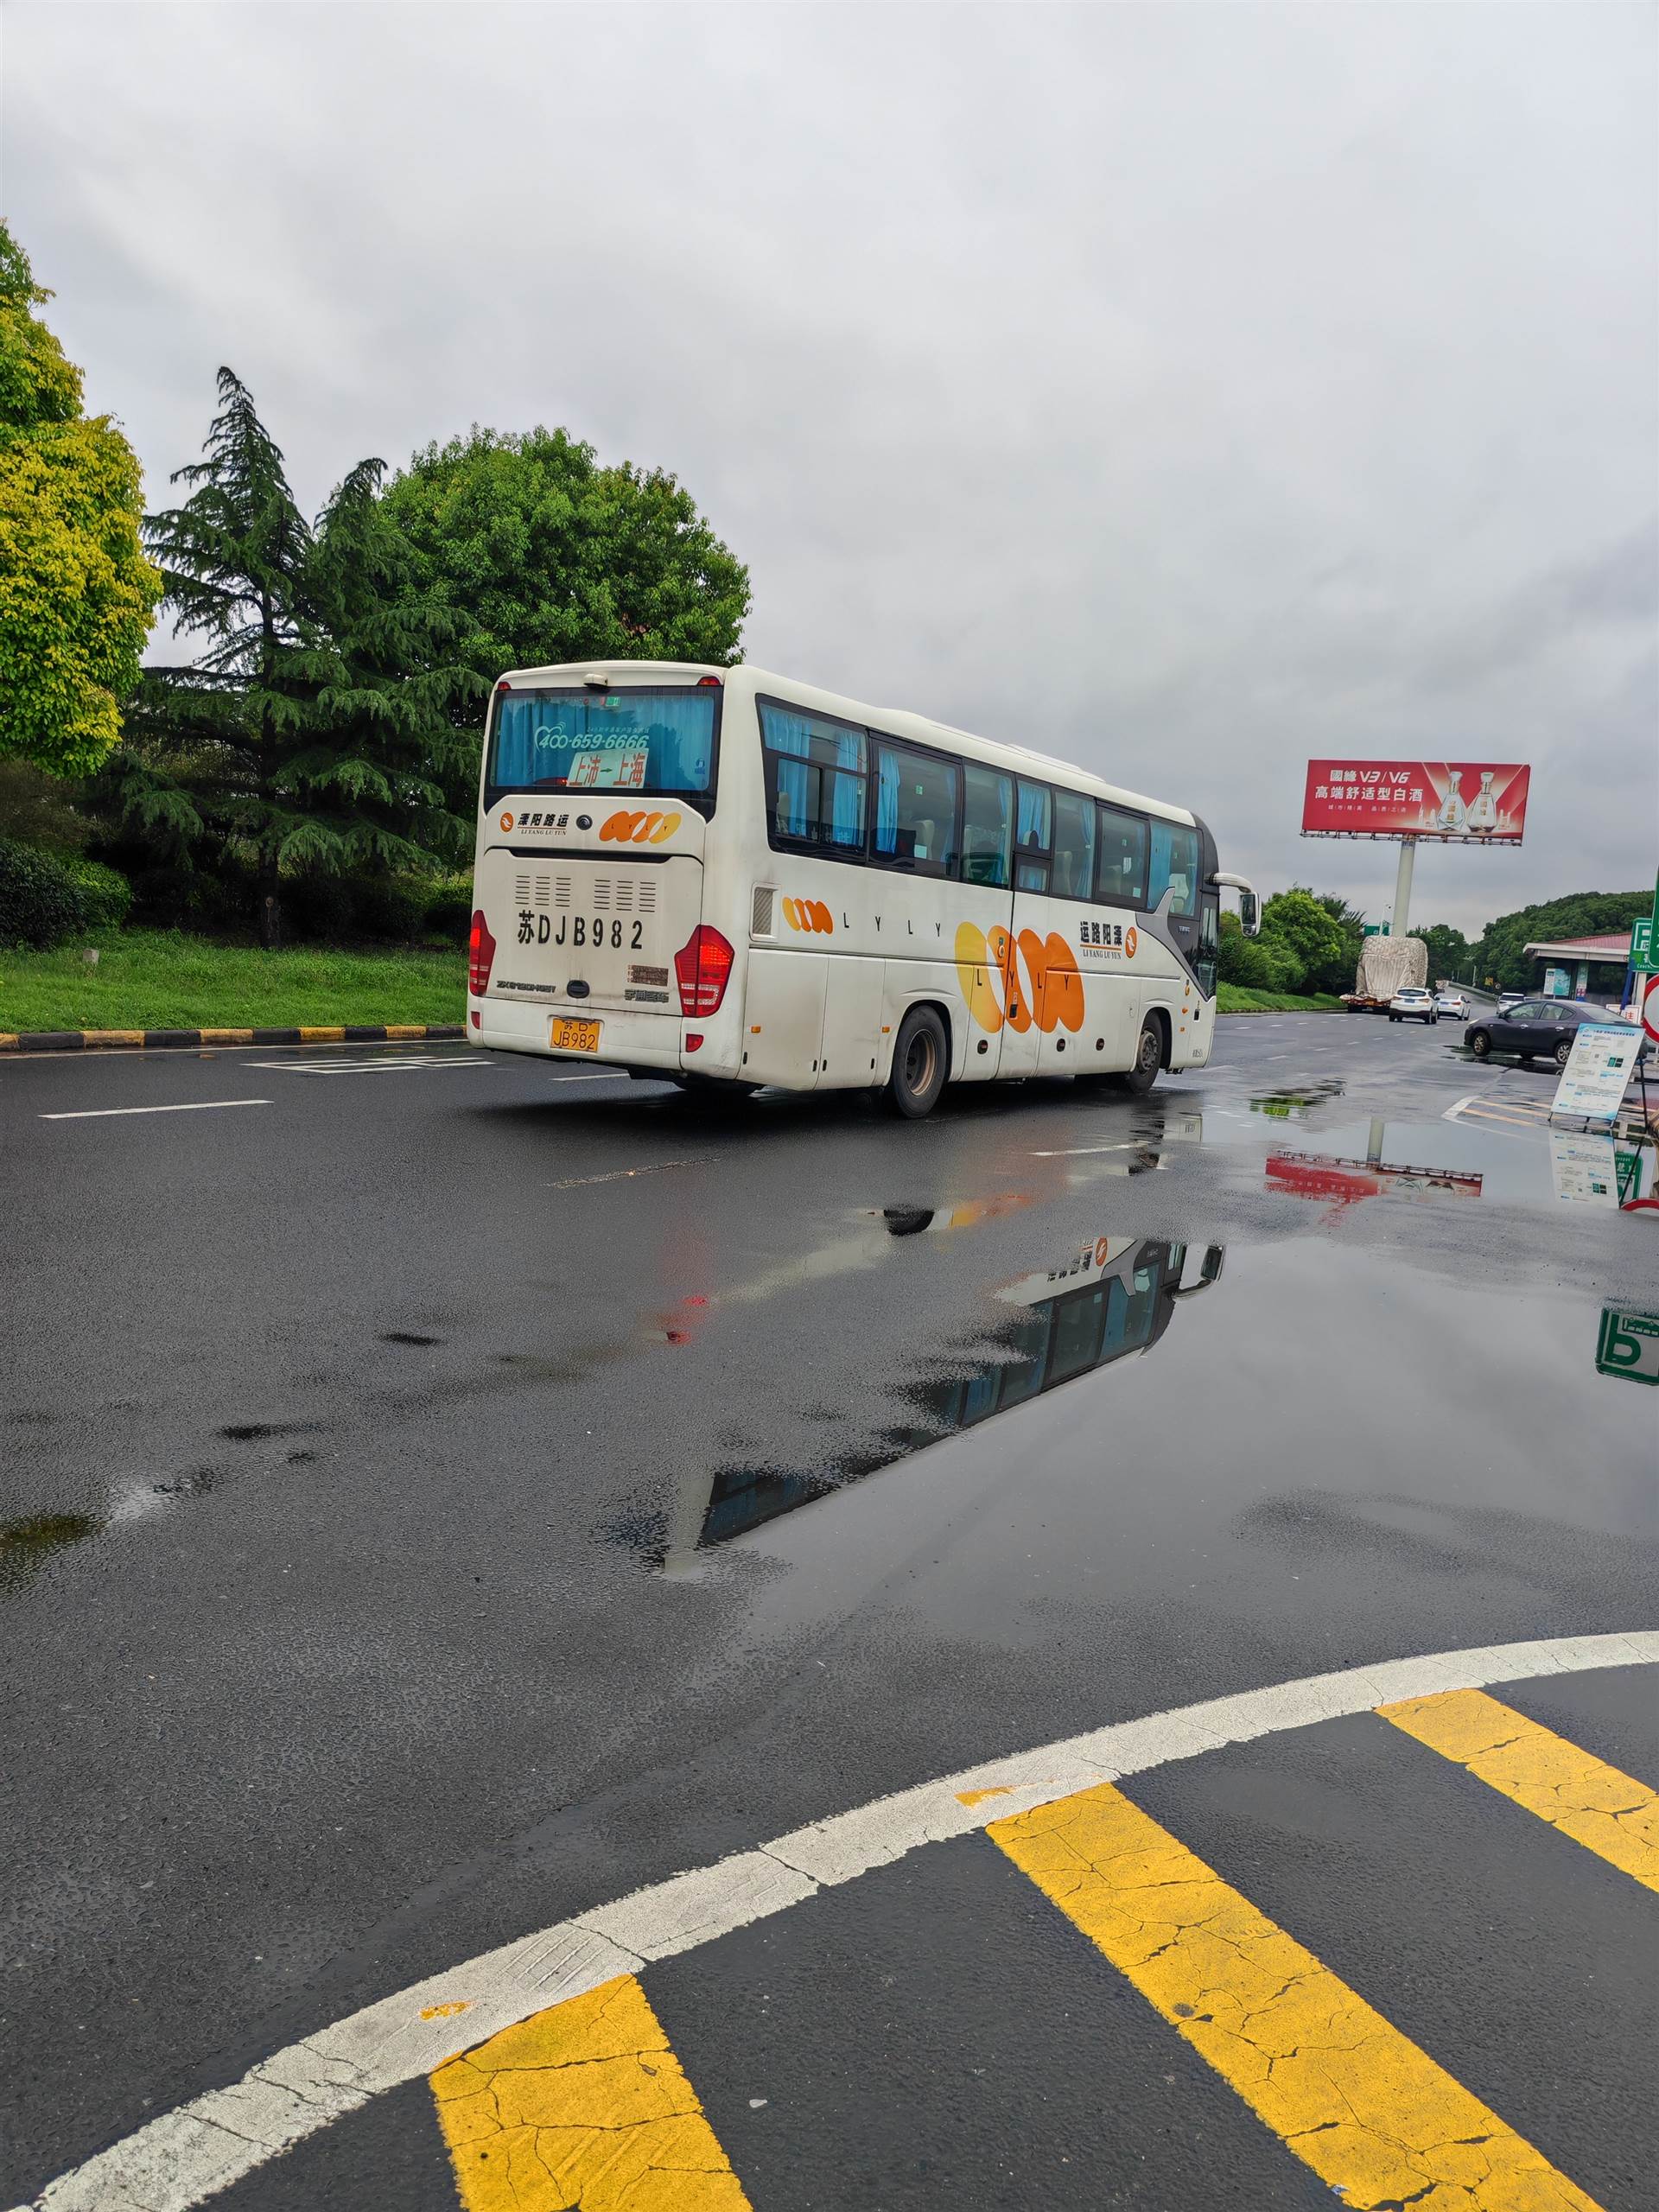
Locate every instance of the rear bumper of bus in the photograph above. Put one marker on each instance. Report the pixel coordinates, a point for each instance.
(627, 1039)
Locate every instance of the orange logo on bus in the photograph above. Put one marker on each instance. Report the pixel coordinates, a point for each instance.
(1130, 940)
(507, 822)
(809, 914)
(639, 829)
(989, 969)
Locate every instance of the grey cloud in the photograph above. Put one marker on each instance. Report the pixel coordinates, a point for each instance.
(1184, 390)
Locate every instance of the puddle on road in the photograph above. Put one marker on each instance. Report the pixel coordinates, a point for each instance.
(1295, 1105)
(28, 1542)
(1114, 1297)
(1511, 1163)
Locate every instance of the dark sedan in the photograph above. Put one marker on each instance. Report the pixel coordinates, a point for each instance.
(1534, 1028)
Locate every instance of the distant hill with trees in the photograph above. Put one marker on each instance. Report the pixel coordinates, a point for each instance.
(1499, 951)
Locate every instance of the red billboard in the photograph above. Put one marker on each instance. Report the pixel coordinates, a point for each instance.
(1458, 801)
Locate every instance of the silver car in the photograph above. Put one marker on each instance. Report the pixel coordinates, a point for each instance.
(1414, 1005)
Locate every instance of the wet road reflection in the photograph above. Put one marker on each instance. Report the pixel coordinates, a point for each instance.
(1295, 1105)
(1112, 1298)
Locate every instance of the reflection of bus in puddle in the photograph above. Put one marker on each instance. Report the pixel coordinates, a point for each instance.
(1113, 1298)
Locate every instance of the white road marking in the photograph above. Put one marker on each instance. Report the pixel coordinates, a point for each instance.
(1076, 1151)
(364, 1067)
(621, 1175)
(111, 1113)
(191, 2153)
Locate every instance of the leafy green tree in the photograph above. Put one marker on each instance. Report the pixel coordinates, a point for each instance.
(1256, 963)
(1448, 951)
(1305, 927)
(1582, 914)
(546, 557)
(314, 733)
(76, 593)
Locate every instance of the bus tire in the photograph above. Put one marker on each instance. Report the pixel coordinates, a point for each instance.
(920, 1062)
(1148, 1057)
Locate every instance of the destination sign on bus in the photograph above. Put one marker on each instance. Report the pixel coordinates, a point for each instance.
(1457, 802)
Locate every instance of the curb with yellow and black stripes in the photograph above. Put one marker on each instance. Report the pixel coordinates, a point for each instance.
(183, 1041)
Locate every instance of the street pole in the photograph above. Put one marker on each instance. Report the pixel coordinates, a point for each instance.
(1402, 887)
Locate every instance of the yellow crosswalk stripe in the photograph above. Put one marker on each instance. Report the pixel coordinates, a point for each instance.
(1606, 1811)
(1373, 2115)
(585, 2105)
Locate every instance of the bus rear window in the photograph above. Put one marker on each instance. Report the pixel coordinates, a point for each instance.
(660, 744)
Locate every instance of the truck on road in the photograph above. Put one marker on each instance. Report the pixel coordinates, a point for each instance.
(1388, 965)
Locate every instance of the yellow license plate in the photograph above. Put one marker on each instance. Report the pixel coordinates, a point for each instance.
(566, 1034)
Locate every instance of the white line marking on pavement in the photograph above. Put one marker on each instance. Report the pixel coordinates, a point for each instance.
(621, 1175)
(111, 1113)
(364, 1067)
(191, 2153)
(1075, 1151)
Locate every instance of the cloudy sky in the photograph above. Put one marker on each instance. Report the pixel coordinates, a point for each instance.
(1185, 391)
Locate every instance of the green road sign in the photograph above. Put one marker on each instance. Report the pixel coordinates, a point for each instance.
(1644, 935)
(1629, 1345)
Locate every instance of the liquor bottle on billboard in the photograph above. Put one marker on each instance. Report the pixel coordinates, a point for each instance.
(1483, 808)
(1451, 815)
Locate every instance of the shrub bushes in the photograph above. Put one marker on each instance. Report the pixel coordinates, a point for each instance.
(105, 894)
(40, 902)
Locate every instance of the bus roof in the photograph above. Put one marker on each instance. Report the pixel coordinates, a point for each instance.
(894, 722)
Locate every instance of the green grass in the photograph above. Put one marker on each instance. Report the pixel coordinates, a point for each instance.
(1232, 998)
(161, 979)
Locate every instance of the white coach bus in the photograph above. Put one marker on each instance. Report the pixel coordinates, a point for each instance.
(718, 876)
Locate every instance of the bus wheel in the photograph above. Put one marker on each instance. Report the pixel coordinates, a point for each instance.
(918, 1063)
(1149, 1058)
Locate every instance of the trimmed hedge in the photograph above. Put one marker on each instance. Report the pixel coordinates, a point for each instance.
(40, 901)
(105, 894)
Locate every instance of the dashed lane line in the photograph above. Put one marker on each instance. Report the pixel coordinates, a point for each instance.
(585, 2105)
(1607, 1812)
(1378, 2121)
(116, 1113)
(184, 2156)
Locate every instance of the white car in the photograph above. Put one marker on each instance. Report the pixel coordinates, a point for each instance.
(1413, 1005)
(1451, 1002)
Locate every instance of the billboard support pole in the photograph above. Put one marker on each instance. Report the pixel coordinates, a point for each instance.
(1401, 912)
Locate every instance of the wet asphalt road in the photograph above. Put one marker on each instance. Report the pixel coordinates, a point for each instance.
(457, 1492)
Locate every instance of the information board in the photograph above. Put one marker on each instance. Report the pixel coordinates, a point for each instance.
(1585, 1167)
(1594, 1080)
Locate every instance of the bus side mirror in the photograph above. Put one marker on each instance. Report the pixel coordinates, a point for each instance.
(1249, 914)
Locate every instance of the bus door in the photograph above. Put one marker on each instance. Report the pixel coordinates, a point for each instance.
(987, 957)
(1027, 1048)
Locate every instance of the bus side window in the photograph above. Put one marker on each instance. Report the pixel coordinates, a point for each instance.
(916, 810)
(987, 827)
(1174, 866)
(1034, 835)
(1074, 846)
(814, 779)
(1122, 878)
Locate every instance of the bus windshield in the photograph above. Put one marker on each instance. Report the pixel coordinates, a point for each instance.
(656, 743)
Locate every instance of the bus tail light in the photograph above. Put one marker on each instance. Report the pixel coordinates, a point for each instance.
(481, 955)
(702, 967)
